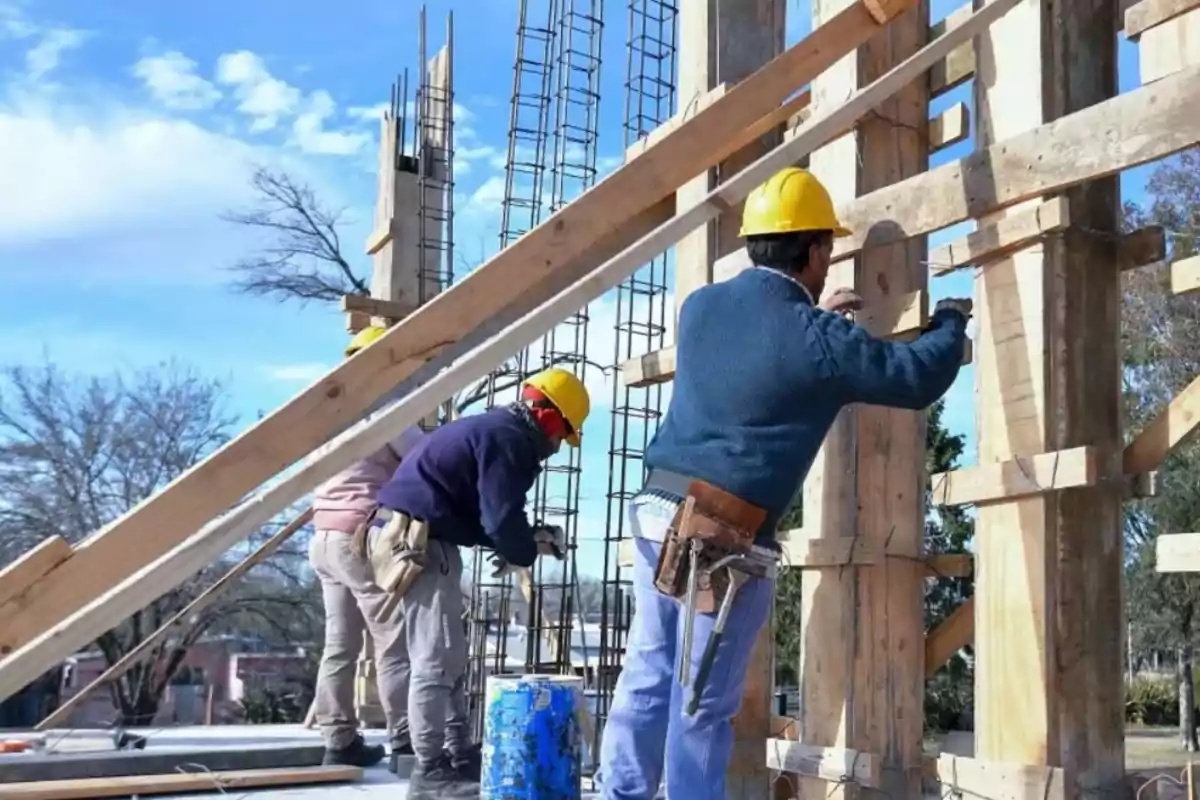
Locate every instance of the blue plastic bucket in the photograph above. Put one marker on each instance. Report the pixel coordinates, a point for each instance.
(531, 738)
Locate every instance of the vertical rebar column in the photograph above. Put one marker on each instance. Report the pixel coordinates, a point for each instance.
(435, 163)
(556, 499)
(642, 308)
(521, 211)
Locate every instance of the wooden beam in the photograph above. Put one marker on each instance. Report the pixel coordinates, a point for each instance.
(950, 565)
(1172, 425)
(145, 785)
(691, 107)
(1018, 477)
(376, 307)
(951, 635)
(959, 66)
(1151, 13)
(970, 777)
(1001, 238)
(455, 319)
(1142, 247)
(1169, 47)
(1137, 127)
(1177, 552)
(831, 764)
(201, 602)
(32, 565)
(382, 236)
(949, 128)
(1185, 275)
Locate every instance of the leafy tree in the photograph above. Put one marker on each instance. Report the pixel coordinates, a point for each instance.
(1161, 344)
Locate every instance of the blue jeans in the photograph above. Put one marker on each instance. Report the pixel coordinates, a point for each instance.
(647, 729)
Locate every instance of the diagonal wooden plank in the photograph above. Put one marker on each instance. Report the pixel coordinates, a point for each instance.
(953, 634)
(32, 566)
(1173, 424)
(522, 275)
(54, 639)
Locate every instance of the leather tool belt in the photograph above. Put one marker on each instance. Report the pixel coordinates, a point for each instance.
(724, 524)
(397, 552)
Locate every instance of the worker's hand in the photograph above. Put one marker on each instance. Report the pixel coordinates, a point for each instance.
(962, 305)
(841, 301)
(551, 541)
(501, 567)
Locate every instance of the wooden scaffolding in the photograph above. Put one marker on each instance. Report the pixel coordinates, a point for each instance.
(851, 100)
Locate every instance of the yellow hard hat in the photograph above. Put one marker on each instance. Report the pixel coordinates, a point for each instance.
(364, 338)
(568, 394)
(791, 200)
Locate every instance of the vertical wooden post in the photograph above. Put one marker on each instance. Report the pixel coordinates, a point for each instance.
(1049, 568)
(724, 42)
(719, 42)
(862, 654)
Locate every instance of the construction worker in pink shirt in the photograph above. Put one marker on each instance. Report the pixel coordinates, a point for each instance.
(355, 605)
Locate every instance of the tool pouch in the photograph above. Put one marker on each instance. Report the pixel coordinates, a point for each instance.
(397, 552)
(724, 523)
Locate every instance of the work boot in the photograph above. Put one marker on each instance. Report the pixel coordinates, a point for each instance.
(401, 748)
(469, 762)
(441, 779)
(356, 754)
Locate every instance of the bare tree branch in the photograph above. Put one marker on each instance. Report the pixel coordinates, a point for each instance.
(303, 260)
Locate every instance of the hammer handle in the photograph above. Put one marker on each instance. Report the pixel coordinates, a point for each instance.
(706, 662)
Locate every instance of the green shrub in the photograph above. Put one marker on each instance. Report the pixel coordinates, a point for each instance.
(1152, 701)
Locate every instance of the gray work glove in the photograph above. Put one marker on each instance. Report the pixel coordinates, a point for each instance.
(962, 305)
(551, 541)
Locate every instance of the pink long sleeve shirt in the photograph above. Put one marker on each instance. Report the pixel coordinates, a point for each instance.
(343, 502)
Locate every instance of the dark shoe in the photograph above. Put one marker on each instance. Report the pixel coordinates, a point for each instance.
(356, 754)
(469, 762)
(401, 748)
(441, 779)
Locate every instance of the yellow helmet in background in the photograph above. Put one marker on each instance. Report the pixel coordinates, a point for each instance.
(568, 394)
(791, 200)
(364, 338)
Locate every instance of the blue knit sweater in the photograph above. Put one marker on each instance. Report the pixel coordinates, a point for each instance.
(468, 481)
(760, 375)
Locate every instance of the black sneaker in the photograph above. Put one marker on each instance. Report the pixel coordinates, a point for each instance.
(469, 762)
(441, 779)
(356, 754)
(401, 748)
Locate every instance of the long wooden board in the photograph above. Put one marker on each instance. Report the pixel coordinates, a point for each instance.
(68, 630)
(521, 275)
(32, 566)
(216, 782)
(1137, 127)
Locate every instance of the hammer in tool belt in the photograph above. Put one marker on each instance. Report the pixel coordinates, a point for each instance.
(739, 569)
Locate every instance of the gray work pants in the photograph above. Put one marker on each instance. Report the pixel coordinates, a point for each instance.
(437, 648)
(351, 599)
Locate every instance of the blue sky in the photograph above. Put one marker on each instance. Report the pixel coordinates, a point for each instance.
(126, 128)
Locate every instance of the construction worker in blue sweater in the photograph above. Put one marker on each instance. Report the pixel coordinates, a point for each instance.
(464, 485)
(762, 369)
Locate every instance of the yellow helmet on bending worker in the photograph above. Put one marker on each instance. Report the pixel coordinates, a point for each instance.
(364, 338)
(792, 200)
(568, 394)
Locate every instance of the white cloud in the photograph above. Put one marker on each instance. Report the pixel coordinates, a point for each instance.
(368, 113)
(310, 135)
(171, 78)
(297, 373)
(44, 56)
(262, 96)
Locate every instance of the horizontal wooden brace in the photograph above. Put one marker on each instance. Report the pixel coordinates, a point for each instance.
(1142, 247)
(382, 236)
(969, 777)
(1018, 477)
(375, 307)
(836, 764)
(1177, 552)
(1169, 47)
(1173, 424)
(357, 321)
(1149, 14)
(1185, 275)
(952, 634)
(949, 128)
(1133, 128)
(994, 241)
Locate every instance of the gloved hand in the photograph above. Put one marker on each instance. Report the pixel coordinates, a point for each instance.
(502, 567)
(962, 305)
(551, 541)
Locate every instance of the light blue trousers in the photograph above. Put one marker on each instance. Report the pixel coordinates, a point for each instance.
(647, 730)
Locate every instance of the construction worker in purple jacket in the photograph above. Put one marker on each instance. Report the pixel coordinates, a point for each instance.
(465, 485)
(762, 370)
